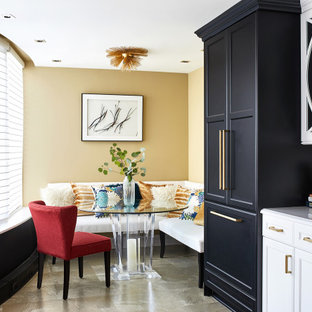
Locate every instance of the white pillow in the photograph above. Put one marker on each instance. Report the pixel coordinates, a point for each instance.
(164, 193)
(163, 196)
(57, 196)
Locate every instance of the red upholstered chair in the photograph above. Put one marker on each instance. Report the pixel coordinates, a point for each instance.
(56, 236)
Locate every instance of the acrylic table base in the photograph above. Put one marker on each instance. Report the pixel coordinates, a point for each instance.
(133, 239)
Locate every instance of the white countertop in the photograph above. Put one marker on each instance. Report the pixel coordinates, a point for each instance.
(300, 213)
(17, 218)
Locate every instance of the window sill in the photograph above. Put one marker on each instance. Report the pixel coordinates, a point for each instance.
(16, 219)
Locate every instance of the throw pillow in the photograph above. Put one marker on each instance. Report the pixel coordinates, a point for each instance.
(164, 193)
(118, 189)
(182, 196)
(164, 196)
(194, 204)
(84, 198)
(145, 189)
(113, 196)
(199, 219)
(57, 196)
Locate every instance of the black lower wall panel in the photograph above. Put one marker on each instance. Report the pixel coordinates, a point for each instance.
(14, 281)
(18, 260)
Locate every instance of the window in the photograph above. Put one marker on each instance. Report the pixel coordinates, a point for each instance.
(11, 130)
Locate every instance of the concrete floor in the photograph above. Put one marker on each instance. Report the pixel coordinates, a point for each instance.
(176, 291)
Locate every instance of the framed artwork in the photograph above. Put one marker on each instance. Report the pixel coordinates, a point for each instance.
(111, 117)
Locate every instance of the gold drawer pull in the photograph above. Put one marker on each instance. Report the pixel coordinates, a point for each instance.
(286, 264)
(273, 228)
(225, 217)
(307, 239)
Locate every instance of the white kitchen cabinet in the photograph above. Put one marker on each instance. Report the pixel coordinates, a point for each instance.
(287, 260)
(277, 284)
(303, 281)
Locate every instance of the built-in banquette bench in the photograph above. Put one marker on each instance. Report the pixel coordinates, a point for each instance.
(103, 225)
(183, 231)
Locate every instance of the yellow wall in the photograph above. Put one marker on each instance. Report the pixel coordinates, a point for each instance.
(53, 151)
(196, 126)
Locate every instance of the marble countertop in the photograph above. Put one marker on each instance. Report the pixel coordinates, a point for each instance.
(299, 213)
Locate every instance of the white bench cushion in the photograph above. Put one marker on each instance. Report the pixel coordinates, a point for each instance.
(92, 224)
(184, 231)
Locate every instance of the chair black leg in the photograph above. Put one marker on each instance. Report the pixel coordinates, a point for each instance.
(200, 269)
(53, 260)
(66, 279)
(80, 265)
(40, 269)
(162, 237)
(107, 267)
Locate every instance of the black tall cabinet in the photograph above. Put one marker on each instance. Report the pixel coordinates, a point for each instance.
(253, 155)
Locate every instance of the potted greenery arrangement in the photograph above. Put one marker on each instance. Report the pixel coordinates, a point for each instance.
(129, 167)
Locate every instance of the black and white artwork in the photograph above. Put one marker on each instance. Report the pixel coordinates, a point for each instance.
(110, 117)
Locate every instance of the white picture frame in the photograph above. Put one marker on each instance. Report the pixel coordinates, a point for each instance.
(111, 117)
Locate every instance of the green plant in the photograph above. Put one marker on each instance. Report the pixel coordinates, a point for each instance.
(128, 166)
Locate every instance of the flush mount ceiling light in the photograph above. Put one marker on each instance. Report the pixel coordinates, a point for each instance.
(128, 57)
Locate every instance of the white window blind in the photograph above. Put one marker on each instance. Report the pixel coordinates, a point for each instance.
(11, 131)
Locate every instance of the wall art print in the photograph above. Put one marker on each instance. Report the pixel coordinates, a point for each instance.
(111, 117)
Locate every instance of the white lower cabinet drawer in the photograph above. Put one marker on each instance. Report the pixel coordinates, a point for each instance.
(278, 229)
(303, 281)
(303, 239)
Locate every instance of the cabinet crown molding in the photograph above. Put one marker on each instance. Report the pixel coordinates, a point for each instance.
(243, 9)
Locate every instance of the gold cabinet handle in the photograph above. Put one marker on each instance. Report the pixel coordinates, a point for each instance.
(225, 184)
(225, 217)
(222, 177)
(273, 228)
(307, 239)
(220, 159)
(287, 271)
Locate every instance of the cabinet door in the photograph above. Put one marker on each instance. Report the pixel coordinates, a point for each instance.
(303, 277)
(215, 104)
(242, 100)
(278, 277)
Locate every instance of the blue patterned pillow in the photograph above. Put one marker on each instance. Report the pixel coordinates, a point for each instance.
(188, 216)
(117, 188)
(194, 202)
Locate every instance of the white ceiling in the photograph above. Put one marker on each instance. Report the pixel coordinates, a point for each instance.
(79, 31)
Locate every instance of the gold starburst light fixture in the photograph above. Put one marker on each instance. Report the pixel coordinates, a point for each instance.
(128, 57)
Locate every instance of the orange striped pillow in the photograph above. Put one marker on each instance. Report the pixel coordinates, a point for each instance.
(84, 198)
(182, 196)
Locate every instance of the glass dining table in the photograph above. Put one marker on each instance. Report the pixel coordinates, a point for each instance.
(133, 231)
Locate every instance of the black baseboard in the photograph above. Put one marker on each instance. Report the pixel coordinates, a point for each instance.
(15, 280)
